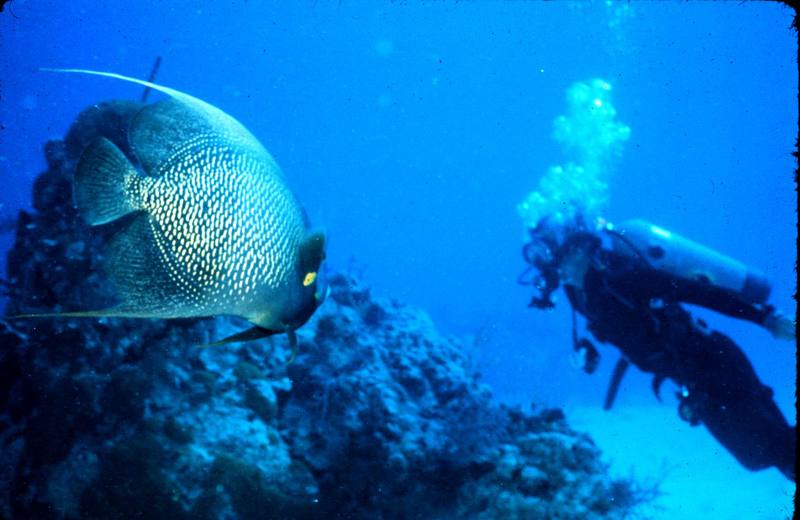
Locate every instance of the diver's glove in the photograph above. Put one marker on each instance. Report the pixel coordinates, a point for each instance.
(586, 357)
(780, 326)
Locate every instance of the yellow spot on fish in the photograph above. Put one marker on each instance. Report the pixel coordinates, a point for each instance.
(309, 279)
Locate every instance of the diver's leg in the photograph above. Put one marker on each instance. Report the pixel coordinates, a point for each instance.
(736, 407)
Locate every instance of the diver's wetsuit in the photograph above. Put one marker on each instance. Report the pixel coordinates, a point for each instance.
(637, 308)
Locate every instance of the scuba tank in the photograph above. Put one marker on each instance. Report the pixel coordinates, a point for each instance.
(686, 259)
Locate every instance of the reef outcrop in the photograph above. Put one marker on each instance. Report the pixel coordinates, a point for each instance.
(379, 416)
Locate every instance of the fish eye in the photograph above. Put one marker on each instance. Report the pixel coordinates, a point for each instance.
(309, 279)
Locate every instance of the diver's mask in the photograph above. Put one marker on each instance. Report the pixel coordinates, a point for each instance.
(540, 255)
(550, 242)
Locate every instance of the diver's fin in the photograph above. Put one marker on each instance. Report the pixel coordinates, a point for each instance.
(102, 183)
(616, 378)
(250, 334)
(658, 380)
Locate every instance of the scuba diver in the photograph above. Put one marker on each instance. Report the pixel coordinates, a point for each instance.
(629, 283)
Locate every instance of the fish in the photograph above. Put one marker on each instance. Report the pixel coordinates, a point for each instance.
(207, 223)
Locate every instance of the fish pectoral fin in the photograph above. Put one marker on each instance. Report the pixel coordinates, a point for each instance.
(292, 343)
(102, 184)
(250, 334)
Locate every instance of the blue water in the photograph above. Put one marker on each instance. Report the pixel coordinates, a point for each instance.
(412, 130)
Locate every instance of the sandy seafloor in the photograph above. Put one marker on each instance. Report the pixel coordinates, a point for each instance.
(699, 479)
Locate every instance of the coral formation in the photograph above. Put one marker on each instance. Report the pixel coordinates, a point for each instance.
(378, 417)
(592, 139)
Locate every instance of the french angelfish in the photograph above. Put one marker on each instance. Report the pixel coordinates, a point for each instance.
(210, 226)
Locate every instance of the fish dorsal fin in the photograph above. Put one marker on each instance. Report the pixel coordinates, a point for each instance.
(197, 104)
(162, 128)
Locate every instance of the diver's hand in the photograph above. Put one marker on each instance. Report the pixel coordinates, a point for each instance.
(781, 327)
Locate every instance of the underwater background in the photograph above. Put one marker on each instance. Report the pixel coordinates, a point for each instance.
(412, 131)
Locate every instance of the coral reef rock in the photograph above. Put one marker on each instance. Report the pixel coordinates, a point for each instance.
(379, 416)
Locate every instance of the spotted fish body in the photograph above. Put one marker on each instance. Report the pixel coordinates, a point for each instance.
(211, 226)
(226, 226)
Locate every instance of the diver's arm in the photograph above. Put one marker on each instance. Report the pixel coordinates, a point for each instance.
(732, 304)
(724, 301)
(721, 300)
(645, 283)
(780, 325)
